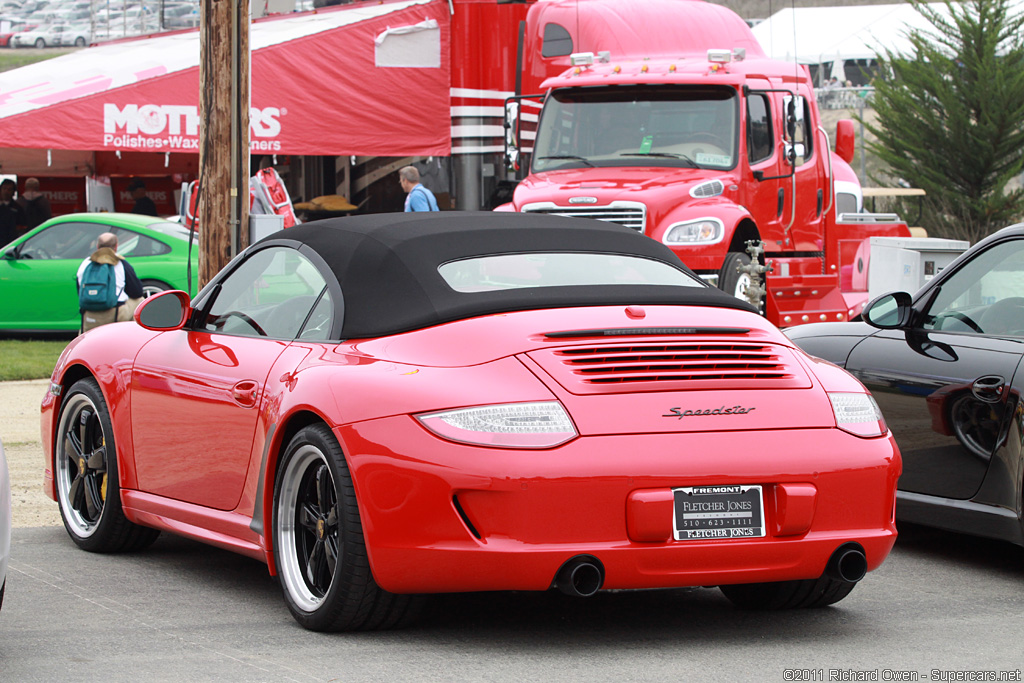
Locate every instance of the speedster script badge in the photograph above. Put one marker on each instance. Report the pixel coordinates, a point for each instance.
(679, 413)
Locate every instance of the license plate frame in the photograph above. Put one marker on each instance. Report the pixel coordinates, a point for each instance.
(711, 513)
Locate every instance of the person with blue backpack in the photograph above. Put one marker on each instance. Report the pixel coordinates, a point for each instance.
(418, 198)
(108, 288)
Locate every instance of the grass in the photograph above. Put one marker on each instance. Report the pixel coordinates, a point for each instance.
(12, 58)
(22, 359)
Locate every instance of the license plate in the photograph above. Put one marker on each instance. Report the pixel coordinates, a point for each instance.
(712, 512)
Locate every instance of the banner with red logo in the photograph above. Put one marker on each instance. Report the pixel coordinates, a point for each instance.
(367, 79)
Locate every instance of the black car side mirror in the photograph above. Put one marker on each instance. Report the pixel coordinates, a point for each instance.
(889, 311)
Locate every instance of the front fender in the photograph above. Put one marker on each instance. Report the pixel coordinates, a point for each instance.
(107, 354)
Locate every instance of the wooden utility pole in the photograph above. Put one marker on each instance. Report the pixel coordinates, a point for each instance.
(223, 209)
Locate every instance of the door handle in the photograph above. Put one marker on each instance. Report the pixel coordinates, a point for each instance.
(245, 393)
(988, 389)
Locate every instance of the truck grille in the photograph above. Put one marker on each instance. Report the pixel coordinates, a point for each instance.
(630, 214)
(676, 366)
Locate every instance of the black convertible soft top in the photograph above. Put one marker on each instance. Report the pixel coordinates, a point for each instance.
(387, 265)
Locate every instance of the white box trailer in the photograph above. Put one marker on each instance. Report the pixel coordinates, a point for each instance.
(907, 263)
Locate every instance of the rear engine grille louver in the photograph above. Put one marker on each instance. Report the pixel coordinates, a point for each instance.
(677, 366)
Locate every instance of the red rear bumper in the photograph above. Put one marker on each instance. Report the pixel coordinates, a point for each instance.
(452, 517)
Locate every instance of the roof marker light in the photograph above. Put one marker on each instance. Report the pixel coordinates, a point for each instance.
(718, 56)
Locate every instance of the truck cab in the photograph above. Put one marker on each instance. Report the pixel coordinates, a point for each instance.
(708, 151)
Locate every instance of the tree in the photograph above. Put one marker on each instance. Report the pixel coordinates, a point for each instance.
(951, 115)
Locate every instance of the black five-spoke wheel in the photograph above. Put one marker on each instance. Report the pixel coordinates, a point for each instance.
(85, 468)
(318, 541)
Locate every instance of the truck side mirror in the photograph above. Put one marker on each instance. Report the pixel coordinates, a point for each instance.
(846, 140)
(794, 151)
(512, 133)
(794, 108)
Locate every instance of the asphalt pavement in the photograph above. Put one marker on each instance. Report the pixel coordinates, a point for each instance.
(181, 611)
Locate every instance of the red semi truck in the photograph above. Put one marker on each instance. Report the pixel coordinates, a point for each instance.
(667, 116)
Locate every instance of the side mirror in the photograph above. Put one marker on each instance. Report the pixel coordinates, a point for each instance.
(794, 151)
(889, 311)
(794, 111)
(164, 311)
(846, 140)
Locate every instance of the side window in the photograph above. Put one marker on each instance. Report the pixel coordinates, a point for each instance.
(269, 295)
(318, 324)
(63, 241)
(984, 296)
(131, 243)
(557, 41)
(760, 141)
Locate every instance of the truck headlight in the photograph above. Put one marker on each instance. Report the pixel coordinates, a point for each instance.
(699, 231)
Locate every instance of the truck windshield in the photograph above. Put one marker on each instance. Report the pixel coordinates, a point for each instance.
(662, 125)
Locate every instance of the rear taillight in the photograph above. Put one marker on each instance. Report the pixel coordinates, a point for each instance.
(858, 414)
(509, 425)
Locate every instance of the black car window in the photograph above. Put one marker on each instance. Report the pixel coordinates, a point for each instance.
(63, 241)
(269, 295)
(985, 296)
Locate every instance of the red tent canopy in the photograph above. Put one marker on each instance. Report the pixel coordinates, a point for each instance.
(368, 79)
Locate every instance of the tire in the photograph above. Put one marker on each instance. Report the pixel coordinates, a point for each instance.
(730, 280)
(151, 287)
(820, 592)
(79, 41)
(85, 470)
(316, 525)
(40, 43)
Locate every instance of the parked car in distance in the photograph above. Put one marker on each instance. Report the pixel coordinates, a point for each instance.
(44, 35)
(14, 29)
(944, 365)
(37, 270)
(384, 406)
(5, 522)
(75, 35)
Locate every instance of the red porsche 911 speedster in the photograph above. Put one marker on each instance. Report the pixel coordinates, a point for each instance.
(386, 406)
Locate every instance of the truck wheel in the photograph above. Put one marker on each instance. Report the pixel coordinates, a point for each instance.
(730, 280)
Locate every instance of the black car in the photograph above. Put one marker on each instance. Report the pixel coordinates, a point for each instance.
(944, 365)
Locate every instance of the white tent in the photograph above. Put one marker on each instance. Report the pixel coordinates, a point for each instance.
(820, 35)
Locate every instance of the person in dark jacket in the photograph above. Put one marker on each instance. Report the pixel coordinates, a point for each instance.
(12, 216)
(143, 204)
(35, 204)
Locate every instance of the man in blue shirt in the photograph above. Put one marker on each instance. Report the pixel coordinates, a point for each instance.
(418, 198)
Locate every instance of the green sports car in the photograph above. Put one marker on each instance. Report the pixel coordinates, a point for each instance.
(37, 270)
